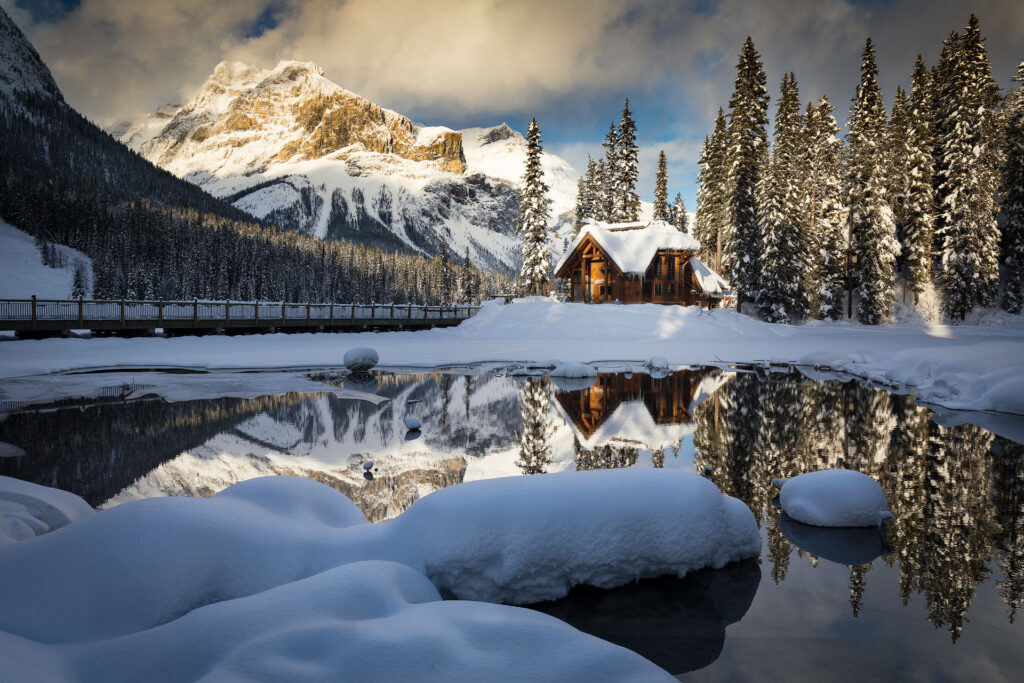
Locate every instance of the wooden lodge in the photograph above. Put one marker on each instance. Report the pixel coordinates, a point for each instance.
(633, 263)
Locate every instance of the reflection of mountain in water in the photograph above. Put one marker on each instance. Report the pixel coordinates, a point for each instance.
(957, 492)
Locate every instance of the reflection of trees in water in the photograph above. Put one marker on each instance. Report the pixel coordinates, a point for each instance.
(535, 430)
(957, 492)
(607, 457)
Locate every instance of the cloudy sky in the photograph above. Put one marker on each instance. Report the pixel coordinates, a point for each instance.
(479, 62)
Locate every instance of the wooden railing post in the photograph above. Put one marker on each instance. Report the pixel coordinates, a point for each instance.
(410, 311)
(257, 316)
(122, 314)
(352, 312)
(392, 311)
(33, 311)
(160, 308)
(372, 311)
(307, 314)
(330, 318)
(227, 313)
(282, 313)
(195, 312)
(80, 306)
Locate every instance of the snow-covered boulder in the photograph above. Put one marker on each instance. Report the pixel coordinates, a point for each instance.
(28, 509)
(9, 450)
(361, 359)
(527, 539)
(834, 498)
(573, 376)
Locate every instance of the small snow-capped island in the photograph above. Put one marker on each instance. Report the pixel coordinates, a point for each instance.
(316, 373)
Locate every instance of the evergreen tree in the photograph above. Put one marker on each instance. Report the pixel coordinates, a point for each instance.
(781, 267)
(535, 429)
(970, 151)
(587, 195)
(534, 211)
(898, 156)
(1013, 195)
(679, 218)
(917, 235)
(627, 172)
(748, 142)
(79, 286)
(824, 202)
(611, 198)
(661, 208)
(872, 225)
(712, 196)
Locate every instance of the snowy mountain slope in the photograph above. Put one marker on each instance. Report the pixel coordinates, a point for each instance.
(21, 68)
(289, 146)
(23, 274)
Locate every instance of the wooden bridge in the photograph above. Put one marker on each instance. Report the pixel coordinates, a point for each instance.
(35, 318)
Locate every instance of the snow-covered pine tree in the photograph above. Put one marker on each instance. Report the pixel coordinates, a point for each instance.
(534, 212)
(679, 218)
(661, 208)
(919, 215)
(585, 196)
(871, 220)
(1013, 194)
(627, 170)
(79, 284)
(611, 199)
(748, 142)
(712, 199)
(968, 229)
(898, 154)
(780, 297)
(824, 205)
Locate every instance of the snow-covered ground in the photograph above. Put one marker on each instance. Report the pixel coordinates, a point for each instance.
(972, 367)
(281, 578)
(22, 273)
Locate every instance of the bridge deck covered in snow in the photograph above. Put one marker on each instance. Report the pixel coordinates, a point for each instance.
(45, 317)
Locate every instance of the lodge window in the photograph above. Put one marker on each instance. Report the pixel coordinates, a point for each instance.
(657, 268)
(657, 289)
(670, 288)
(602, 289)
(671, 270)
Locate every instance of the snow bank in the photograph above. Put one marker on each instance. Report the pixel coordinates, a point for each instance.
(22, 273)
(303, 585)
(360, 359)
(28, 510)
(362, 621)
(527, 539)
(834, 498)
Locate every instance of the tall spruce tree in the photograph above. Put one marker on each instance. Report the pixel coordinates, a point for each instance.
(872, 225)
(918, 235)
(627, 170)
(970, 151)
(898, 156)
(586, 196)
(661, 208)
(711, 220)
(679, 218)
(611, 198)
(1013, 195)
(534, 212)
(824, 206)
(780, 295)
(747, 149)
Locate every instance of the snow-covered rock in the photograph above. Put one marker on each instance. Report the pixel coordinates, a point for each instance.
(21, 68)
(412, 423)
(368, 465)
(28, 509)
(361, 359)
(834, 498)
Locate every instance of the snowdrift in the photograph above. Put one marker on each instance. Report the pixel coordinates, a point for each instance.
(283, 578)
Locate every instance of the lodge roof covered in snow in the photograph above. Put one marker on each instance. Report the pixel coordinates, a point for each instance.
(632, 246)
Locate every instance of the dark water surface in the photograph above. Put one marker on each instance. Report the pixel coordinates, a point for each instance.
(935, 598)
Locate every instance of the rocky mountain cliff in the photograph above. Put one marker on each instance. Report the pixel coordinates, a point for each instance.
(21, 68)
(290, 146)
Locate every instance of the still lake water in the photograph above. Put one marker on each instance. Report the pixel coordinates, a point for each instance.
(936, 599)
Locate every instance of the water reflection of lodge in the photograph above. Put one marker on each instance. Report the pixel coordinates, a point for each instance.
(671, 399)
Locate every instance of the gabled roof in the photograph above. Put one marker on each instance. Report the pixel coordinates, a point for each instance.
(631, 246)
(711, 282)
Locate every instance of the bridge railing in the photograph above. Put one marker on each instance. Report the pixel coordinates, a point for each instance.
(258, 312)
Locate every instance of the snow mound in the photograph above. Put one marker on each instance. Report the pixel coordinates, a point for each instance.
(527, 539)
(573, 370)
(28, 510)
(360, 359)
(363, 621)
(834, 498)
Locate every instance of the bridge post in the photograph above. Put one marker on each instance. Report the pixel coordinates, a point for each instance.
(352, 312)
(373, 308)
(122, 314)
(392, 312)
(80, 305)
(227, 313)
(410, 310)
(307, 314)
(282, 313)
(33, 311)
(195, 313)
(331, 317)
(257, 316)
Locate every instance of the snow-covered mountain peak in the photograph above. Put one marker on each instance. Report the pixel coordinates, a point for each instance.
(21, 68)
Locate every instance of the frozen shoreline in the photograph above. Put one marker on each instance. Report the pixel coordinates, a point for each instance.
(968, 367)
